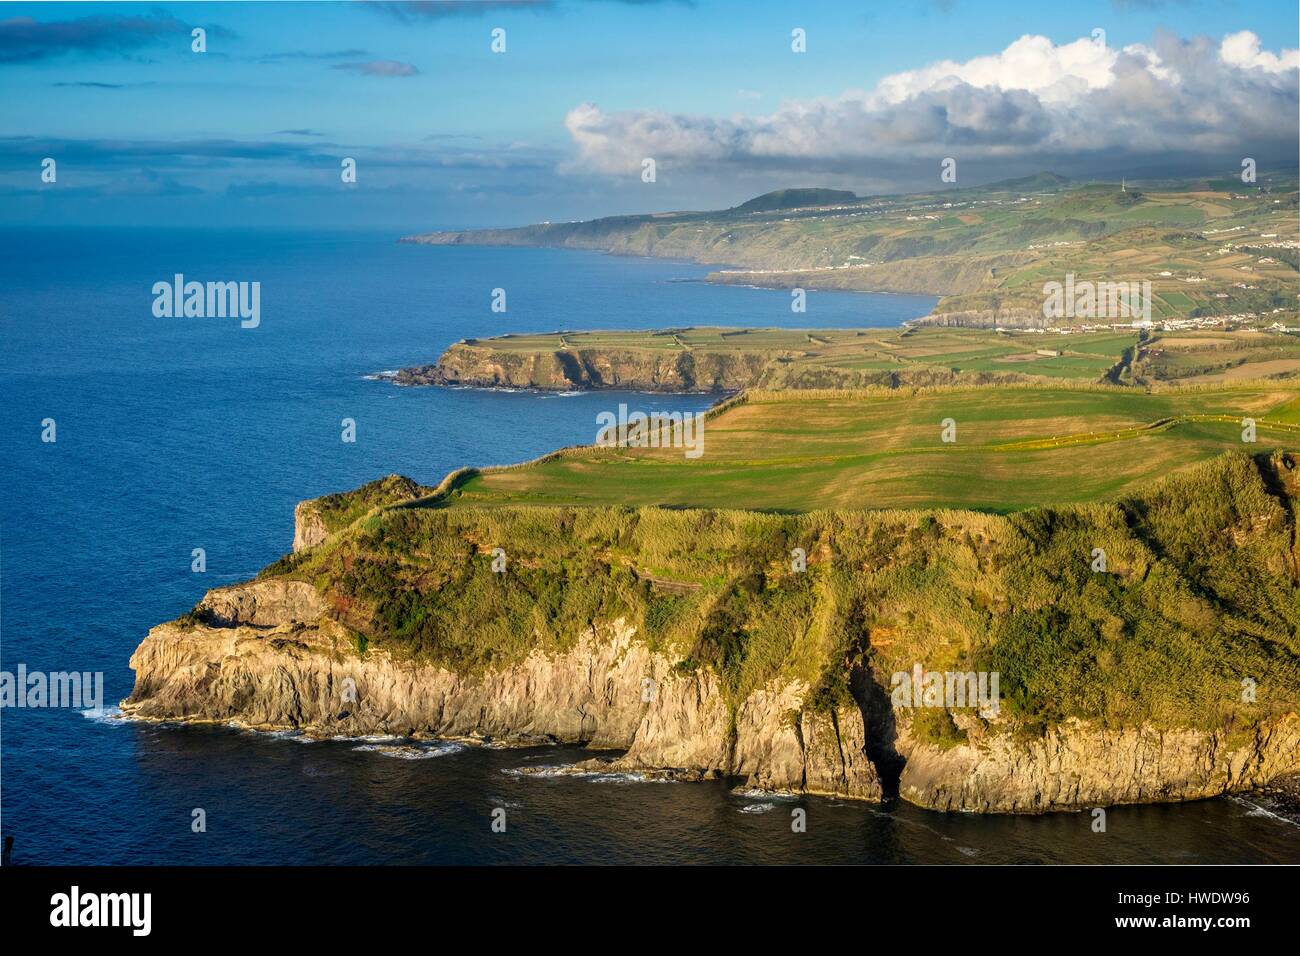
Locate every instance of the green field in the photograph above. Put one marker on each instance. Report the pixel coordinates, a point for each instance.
(1015, 448)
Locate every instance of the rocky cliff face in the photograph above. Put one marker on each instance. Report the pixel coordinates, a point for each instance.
(1077, 766)
(308, 528)
(645, 370)
(991, 318)
(269, 657)
(650, 370)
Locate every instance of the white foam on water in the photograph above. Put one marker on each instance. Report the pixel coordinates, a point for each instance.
(296, 736)
(623, 778)
(758, 793)
(104, 715)
(592, 776)
(1255, 810)
(412, 751)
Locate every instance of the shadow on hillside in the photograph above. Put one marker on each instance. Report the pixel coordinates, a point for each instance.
(882, 732)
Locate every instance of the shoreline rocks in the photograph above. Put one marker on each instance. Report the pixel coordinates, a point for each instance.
(269, 658)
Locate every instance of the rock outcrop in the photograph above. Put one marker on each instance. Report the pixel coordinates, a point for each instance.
(642, 370)
(485, 365)
(268, 658)
(1074, 766)
(308, 527)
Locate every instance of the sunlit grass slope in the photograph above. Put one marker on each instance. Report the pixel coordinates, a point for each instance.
(1014, 448)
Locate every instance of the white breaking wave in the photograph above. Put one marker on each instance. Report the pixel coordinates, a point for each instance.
(104, 715)
(412, 751)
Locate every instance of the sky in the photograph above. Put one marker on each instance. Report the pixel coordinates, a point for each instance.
(447, 133)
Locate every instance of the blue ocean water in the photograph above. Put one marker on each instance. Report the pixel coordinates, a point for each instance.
(175, 434)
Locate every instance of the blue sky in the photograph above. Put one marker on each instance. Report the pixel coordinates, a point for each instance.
(446, 133)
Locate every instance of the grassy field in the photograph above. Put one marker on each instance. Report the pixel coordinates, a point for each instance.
(1015, 447)
(1216, 358)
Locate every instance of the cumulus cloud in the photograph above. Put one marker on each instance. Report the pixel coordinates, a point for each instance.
(1242, 50)
(1034, 102)
(379, 68)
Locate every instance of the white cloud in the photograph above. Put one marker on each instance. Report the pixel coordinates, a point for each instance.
(1033, 101)
(1032, 63)
(1242, 50)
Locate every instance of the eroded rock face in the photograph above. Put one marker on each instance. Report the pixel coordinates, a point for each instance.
(777, 740)
(644, 370)
(308, 527)
(265, 603)
(278, 662)
(269, 657)
(1075, 766)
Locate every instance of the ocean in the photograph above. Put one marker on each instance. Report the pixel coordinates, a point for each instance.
(182, 433)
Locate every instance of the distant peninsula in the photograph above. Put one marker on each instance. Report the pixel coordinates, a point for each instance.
(1210, 248)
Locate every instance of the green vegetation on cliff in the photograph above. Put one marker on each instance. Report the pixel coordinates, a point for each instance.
(1199, 594)
(730, 359)
(338, 511)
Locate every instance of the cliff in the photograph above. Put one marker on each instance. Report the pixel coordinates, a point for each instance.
(687, 641)
(643, 370)
(502, 363)
(268, 655)
(1075, 765)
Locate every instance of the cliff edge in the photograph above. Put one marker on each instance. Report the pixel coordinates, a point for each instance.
(688, 642)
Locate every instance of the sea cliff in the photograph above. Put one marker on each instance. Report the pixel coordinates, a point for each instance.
(685, 642)
(267, 655)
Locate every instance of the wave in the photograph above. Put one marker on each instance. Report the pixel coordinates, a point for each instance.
(412, 751)
(758, 793)
(552, 771)
(105, 715)
(1256, 810)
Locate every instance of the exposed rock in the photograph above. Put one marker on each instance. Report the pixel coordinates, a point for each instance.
(1013, 317)
(274, 661)
(1075, 766)
(645, 370)
(264, 603)
(308, 527)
